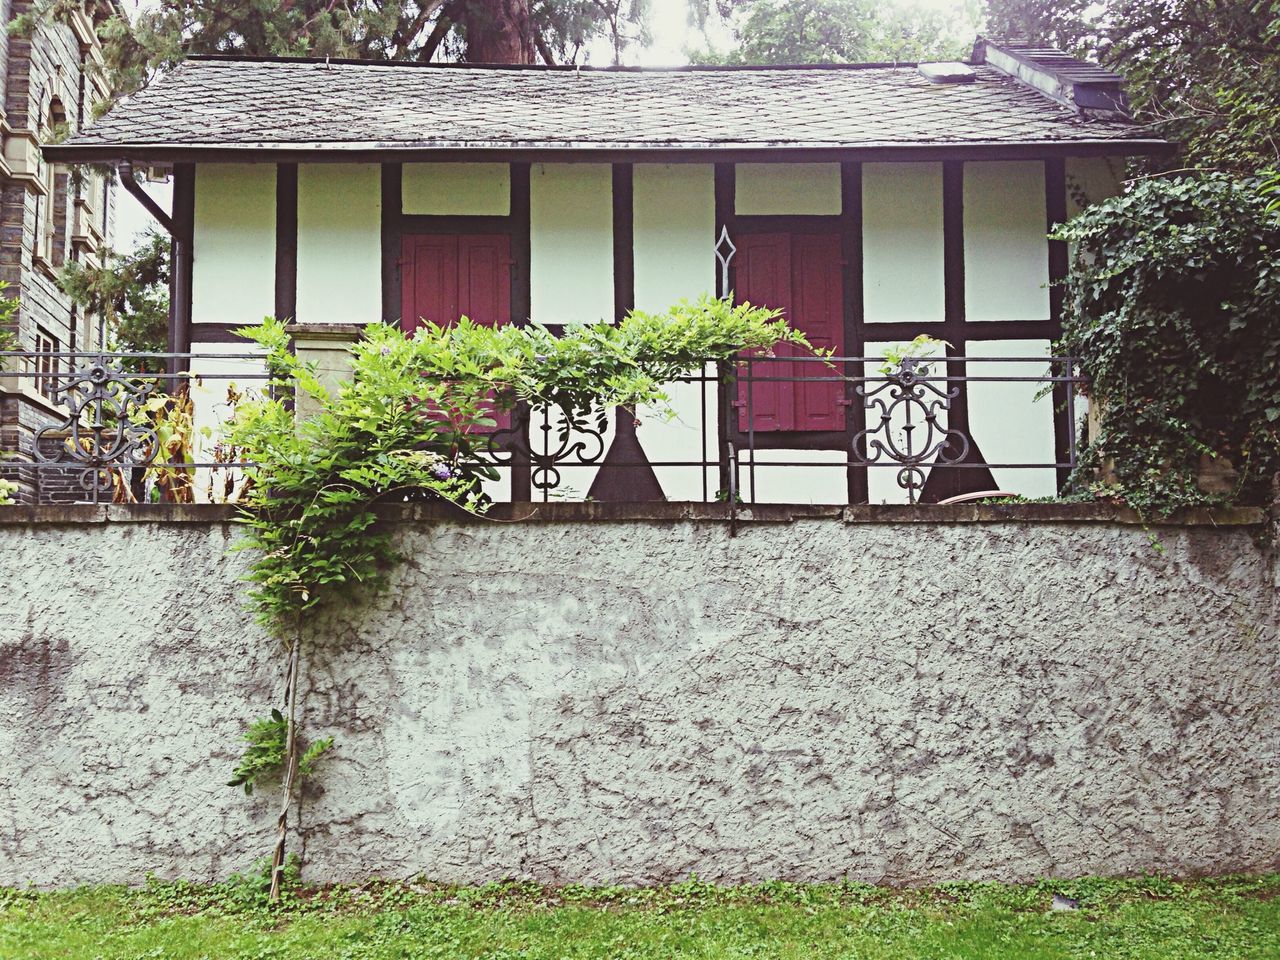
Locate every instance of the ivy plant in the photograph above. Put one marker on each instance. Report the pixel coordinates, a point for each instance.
(1171, 307)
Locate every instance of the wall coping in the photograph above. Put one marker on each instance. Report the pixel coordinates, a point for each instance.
(1094, 513)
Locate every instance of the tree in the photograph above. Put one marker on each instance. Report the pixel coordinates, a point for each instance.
(479, 31)
(129, 291)
(1204, 73)
(842, 31)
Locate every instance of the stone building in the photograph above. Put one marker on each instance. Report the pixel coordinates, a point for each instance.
(50, 214)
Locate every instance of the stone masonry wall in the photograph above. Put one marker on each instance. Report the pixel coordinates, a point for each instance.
(637, 700)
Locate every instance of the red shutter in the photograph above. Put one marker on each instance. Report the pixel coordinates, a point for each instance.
(428, 281)
(763, 278)
(818, 311)
(447, 276)
(484, 279)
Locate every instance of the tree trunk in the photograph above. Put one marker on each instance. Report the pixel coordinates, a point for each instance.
(498, 31)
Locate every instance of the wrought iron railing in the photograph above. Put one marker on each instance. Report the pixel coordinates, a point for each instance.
(103, 427)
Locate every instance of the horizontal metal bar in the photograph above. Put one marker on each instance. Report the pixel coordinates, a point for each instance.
(73, 465)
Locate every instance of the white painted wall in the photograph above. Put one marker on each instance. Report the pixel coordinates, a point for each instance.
(674, 226)
(882, 479)
(902, 245)
(1092, 179)
(822, 478)
(234, 248)
(1007, 421)
(571, 242)
(339, 243)
(1006, 250)
(787, 188)
(571, 278)
(456, 189)
(214, 373)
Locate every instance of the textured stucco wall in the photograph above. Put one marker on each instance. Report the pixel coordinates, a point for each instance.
(635, 701)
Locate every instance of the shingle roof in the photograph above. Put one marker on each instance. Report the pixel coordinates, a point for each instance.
(231, 105)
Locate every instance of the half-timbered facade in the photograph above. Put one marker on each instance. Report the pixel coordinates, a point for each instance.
(870, 203)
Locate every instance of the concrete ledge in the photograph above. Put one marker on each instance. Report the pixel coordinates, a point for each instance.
(662, 513)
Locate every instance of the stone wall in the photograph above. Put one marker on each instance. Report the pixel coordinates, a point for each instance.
(891, 695)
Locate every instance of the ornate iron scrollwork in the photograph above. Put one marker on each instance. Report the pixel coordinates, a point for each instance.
(576, 440)
(100, 432)
(908, 395)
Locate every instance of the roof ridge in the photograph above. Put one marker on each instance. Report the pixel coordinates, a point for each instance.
(559, 68)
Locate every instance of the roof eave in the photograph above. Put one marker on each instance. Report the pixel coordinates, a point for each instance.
(598, 152)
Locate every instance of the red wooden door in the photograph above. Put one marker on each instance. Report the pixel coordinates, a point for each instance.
(799, 274)
(447, 276)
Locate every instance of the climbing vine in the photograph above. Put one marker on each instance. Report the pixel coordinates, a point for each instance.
(408, 426)
(1171, 308)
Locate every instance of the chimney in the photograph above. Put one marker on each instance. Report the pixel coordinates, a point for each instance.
(1084, 87)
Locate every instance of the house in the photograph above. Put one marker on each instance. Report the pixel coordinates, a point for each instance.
(872, 203)
(48, 216)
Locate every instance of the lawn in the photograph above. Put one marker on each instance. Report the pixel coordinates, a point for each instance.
(1150, 917)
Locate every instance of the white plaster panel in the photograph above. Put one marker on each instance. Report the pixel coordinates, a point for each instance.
(1006, 247)
(674, 230)
(1008, 421)
(339, 243)
(820, 477)
(902, 242)
(674, 216)
(577, 470)
(686, 433)
(234, 249)
(1091, 179)
(216, 370)
(456, 189)
(882, 476)
(787, 188)
(571, 242)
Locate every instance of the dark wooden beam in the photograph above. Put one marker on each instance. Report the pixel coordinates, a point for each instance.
(392, 227)
(851, 282)
(180, 274)
(286, 296)
(1055, 195)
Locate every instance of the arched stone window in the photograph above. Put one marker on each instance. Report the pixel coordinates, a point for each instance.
(51, 201)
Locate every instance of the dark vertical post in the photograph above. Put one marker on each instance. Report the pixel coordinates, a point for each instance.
(725, 191)
(180, 275)
(390, 233)
(1055, 193)
(624, 271)
(851, 277)
(286, 300)
(953, 329)
(624, 475)
(953, 325)
(521, 297)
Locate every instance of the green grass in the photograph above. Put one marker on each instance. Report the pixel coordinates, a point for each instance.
(1152, 917)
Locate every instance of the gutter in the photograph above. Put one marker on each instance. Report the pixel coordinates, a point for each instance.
(600, 152)
(124, 169)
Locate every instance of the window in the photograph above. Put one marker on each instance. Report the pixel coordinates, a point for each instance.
(46, 367)
(51, 213)
(799, 274)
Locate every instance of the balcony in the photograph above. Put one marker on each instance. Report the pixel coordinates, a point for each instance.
(762, 429)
